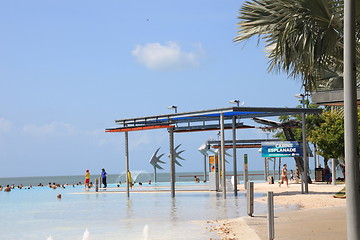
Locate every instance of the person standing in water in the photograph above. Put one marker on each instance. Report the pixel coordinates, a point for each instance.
(103, 177)
(87, 179)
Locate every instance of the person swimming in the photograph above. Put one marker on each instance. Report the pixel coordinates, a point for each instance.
(7, 189)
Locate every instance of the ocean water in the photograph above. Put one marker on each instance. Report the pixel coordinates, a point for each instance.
(138, 176)
(149, 214)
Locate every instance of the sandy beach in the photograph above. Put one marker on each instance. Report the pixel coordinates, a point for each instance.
(318, 216)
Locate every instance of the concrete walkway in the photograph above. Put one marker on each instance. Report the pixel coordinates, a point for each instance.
(309, 224)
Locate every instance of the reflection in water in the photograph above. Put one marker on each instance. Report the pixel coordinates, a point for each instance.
(225, 210)
(87, 196)
(173, 215)
(236, 204)
(86, 235)
(146, 232)
(129, 212)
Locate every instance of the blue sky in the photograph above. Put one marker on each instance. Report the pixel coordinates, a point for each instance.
(68, 69)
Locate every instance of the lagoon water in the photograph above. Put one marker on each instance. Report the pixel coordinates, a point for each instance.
(147, 215)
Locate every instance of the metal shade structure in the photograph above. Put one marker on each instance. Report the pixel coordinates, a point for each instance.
(203, 120)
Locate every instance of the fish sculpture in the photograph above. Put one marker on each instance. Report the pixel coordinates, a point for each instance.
(177, 155)
(155, 160)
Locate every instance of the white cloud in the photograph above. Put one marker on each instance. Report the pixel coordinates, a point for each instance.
(167, 57)
(54, 128)
(5, 125)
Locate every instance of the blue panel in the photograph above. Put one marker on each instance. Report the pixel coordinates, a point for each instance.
(281, 149)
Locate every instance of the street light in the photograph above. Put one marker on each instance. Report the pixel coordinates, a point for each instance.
(173, 107)
(302, 96)
(235, 101)
(306, 165)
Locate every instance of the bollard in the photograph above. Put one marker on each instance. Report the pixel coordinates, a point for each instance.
(250, 198)
(246, 170)
(266, 168)
(270, 215)
(96, 185)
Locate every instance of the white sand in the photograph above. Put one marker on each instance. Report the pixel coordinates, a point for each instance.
(320, 195)
(316, 220)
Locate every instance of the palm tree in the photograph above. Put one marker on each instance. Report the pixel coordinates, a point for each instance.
(304, 38)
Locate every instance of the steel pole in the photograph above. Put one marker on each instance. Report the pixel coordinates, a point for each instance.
(219, 165)
(222, 127)
(350, 121)
(265, 169)
(315, 158)
(279, 172)
(274, 168)
(172, 161)
(127, 163)
(333, 170)
(205, 167)
(234, 155)
(155, 178)
(305, 158)
(270, 215)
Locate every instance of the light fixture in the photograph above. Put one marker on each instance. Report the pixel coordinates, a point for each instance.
(302, 97)
(173, 107)
(235, 101)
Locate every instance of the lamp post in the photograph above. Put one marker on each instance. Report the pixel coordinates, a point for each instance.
(305, 157)
(351, 123)
(173, 107)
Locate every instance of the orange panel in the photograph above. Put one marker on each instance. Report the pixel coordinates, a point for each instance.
(138, 128)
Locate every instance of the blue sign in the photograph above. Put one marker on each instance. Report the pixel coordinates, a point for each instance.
(281, 149)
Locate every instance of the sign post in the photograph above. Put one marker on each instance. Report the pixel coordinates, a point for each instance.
(246, 170)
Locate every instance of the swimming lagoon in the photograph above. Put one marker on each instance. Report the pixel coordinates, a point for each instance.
(149, 214)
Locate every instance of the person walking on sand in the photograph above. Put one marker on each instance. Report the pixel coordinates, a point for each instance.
(103, 177)
(87, 179)
(284, 176)
(327, 174)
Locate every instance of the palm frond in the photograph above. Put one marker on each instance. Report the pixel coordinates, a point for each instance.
(304, 37)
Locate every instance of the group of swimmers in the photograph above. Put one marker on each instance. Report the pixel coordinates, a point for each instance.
(8, 188)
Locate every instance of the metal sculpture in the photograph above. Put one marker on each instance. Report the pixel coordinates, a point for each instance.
(177, 155)
(155, 160)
